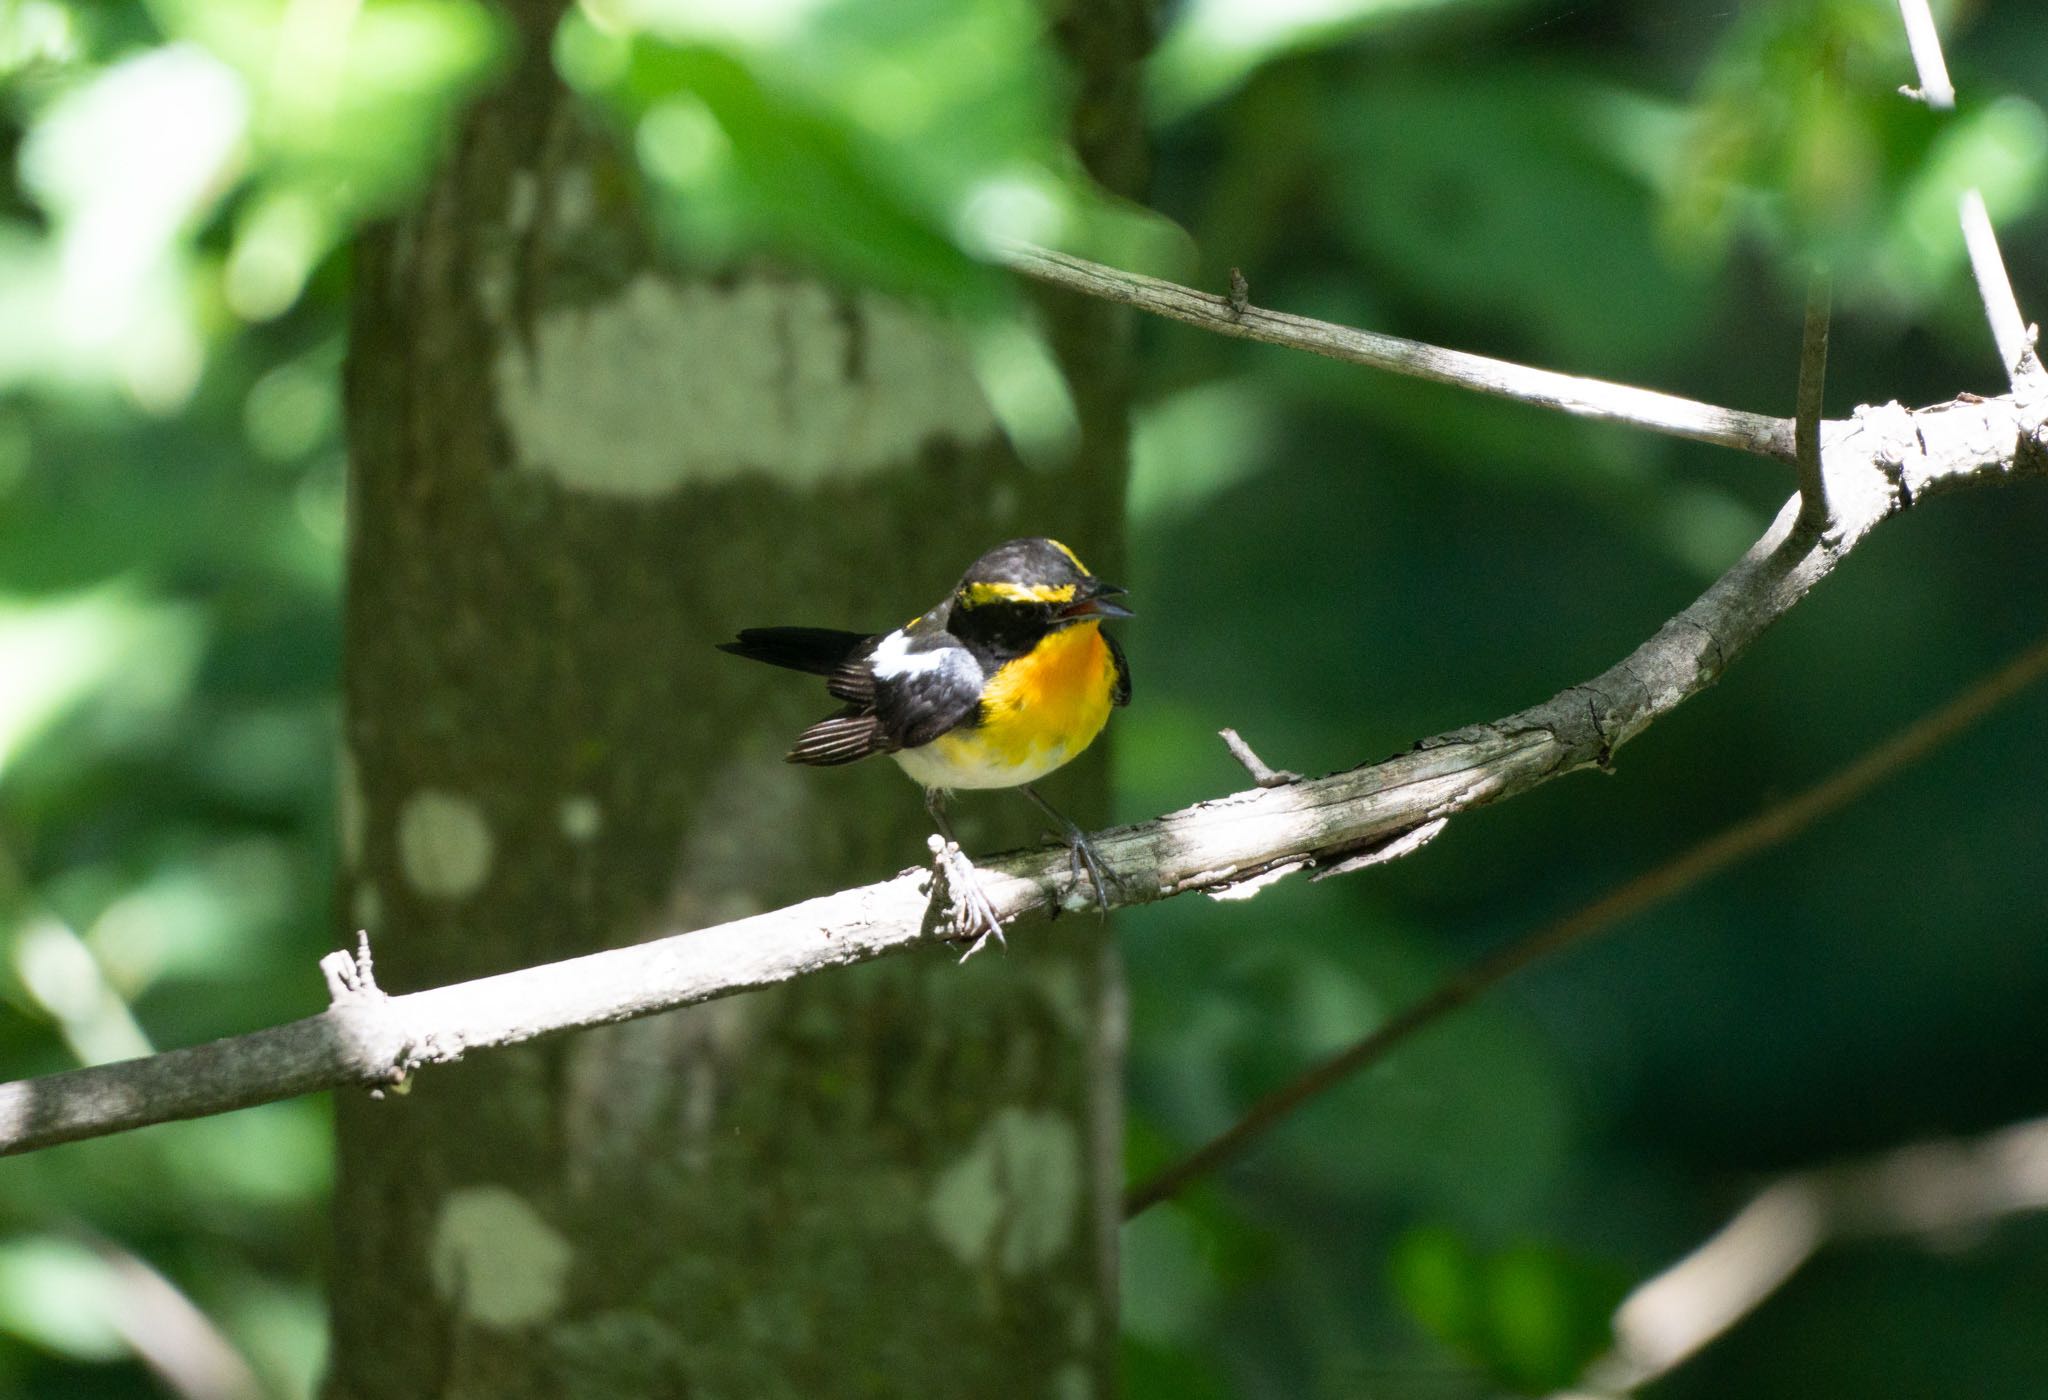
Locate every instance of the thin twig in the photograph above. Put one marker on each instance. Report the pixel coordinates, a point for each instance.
(1566, 393)
(1925, 41)
(1994, 285)
(1261, 774)
(1716, 853)
(1813, 374)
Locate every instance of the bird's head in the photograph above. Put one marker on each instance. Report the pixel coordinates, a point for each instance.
(1022, 589)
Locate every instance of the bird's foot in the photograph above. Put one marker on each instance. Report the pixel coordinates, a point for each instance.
(1081, 857)
(970, 911)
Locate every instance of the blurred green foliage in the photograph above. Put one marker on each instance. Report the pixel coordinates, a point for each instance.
(1822, 158)
(1532, 1315)
(182, 167)
(1334, 562)
(883, 143)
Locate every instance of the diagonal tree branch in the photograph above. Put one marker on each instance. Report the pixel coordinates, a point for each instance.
(1567, 393)
(1877, 465)
(1775, 824)
(1933, 1190)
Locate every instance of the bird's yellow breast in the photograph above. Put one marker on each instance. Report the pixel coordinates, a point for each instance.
(1037, 712)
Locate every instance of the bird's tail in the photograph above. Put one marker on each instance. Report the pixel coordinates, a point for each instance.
(819, 650)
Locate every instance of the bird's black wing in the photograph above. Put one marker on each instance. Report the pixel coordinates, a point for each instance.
(903, 690)
(925, 685)
(1122, 694)
(844, 737)
(854, 679)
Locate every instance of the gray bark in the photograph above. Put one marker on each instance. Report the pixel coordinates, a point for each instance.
(572, 473)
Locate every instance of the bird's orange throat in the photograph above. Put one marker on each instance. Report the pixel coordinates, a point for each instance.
(1037, 713)
(1061, 688)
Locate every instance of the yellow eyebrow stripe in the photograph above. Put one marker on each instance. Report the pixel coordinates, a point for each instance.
(1072, 557)
(978, 594)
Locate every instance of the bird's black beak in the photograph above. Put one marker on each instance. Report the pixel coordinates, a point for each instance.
(1094, 602)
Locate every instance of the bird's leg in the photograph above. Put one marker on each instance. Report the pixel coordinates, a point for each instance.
(1080, 854)
(962, 882)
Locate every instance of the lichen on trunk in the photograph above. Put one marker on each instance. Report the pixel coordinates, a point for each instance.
(573, 470)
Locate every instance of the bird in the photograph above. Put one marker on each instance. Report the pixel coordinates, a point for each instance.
(1007, 678)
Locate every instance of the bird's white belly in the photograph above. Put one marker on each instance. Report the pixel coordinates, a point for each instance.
(957, 761)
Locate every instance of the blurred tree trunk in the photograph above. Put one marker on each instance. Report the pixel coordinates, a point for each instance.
(572, 473)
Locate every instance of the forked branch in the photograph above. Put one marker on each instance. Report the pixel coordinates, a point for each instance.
(1876, 466)
(1868, 469)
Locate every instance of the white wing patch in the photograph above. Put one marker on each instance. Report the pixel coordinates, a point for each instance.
(894, 659)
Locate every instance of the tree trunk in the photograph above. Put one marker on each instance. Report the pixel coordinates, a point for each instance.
(572, 473)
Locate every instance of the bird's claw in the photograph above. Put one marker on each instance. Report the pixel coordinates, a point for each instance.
(1081, 857)
(1080, 854)
(971, 911)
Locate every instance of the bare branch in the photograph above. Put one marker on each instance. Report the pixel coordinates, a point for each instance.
(169, 1333)
(351, 976)
(1769, 827)
(1813, 375)
(1925, 41)
(1930, 1190)
(1262, 775)
(1877, 465)
(1567, 393)
(1994, 284)
(2001, 308)
(1406, 843)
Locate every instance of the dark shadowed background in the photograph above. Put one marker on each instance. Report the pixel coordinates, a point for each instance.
(1332, 561)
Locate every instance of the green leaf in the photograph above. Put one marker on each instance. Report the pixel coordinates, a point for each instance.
(1214, 45)
(1533, 1315)
(2000, 150)
(1799, 134)
(61, 1296)
(884, 145)
(1188, 449)
(56, 654)
(1152, 1371)
(1514, 198)
(710, 133)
